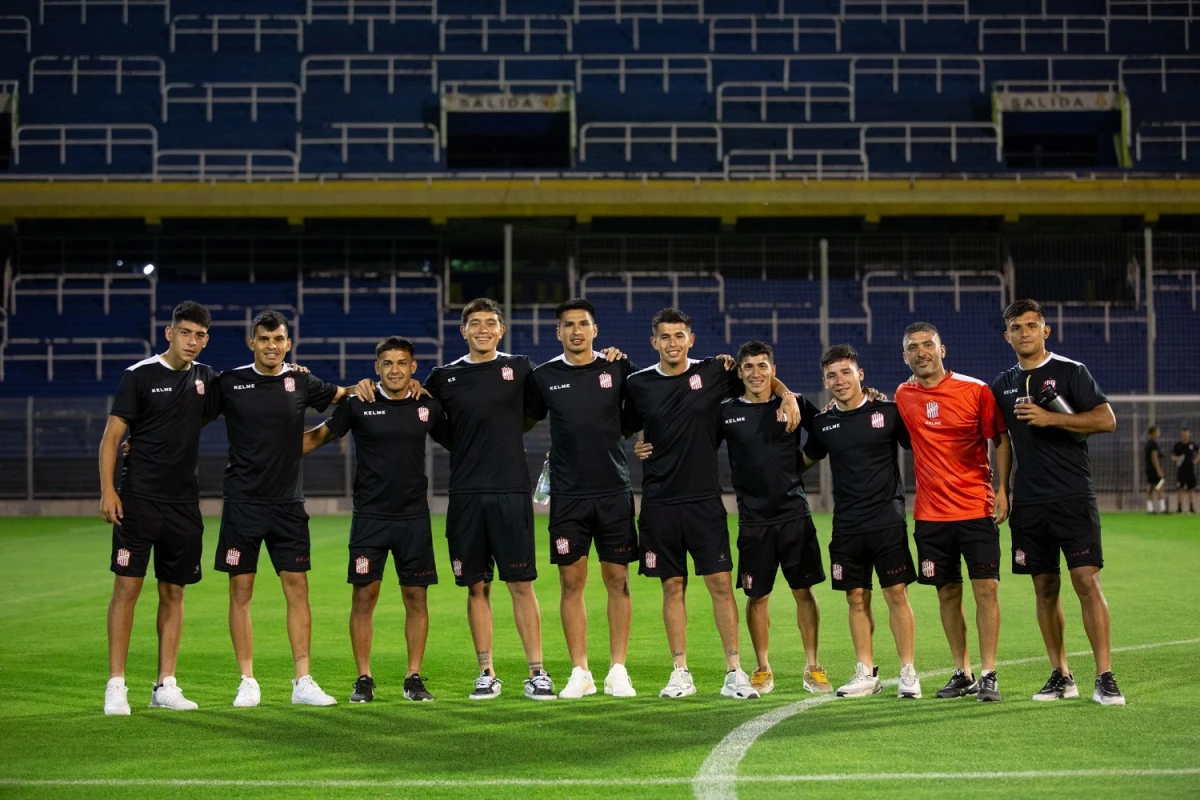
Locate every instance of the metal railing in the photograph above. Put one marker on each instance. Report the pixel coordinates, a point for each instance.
(940, 67)
(62, 287)
(637, 282)
(959, 282)
(65, 136)
(1084, 313)
(673, 134)
(781, 315)
(525, 28)
(84, 5)
(361, 348)
(1023, 28)
(214, 26)
(1180, 133)
(806, 94)
(793, 27)
(803, 164)
(389, 134)
(94, 353)
(348, 289)
(117, 67)
(17, 25)
(347, 66)
(231, 93)
(227, 165)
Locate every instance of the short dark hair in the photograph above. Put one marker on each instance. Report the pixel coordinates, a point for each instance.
(755, 348)
(485, 304)
(1153, 430)
(1018, 307)
(394, 343)
(671, 316)
(189, 311)
(575, 304)
(921, 327)
(839, 352)
(270, 320)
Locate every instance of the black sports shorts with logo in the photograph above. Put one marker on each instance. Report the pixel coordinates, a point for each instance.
(246, 526)
(853, 554)
(1040, 531)
(943, 546)
(669, 533)
(174, 531)
(489, 533)
(576, 521)
(409, 541)
(764, 549)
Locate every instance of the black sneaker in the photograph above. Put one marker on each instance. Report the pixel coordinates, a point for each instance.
(414, 689)
(960, 684)
(989, 688)
(1057, 687)
(364, 690)
(1107, 693)
(540, 687)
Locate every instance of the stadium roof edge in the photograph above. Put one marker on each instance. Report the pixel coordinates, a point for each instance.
(585, 199)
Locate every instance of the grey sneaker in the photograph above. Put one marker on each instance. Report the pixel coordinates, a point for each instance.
(989, 688)
(1057, 687)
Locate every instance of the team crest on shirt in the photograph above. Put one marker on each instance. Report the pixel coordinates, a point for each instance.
(1049, 383)
(695, 383)
(233, 556)
(605, 380)
(199, 386)
(562, 546)
(931, 410)
(748, 581)
(362, 565)
(927, 568)
(289, 384)
(1019, 557)
(506, 373)
(877, 419)
(837, 572)
(651, 559)
(122, 557)
(456, 565)
(423, 414)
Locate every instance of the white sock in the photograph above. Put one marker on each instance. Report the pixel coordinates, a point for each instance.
(1150, 506)
(117, 681)
(1162, 506)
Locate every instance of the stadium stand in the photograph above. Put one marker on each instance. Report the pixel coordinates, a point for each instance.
(289, 89)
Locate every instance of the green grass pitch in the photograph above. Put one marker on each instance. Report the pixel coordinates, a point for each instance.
(55, 587)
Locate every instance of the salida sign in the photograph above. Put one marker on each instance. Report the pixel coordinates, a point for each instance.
(506, 102)
(1057, 101)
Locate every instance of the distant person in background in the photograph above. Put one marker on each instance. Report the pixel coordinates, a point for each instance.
(164, 401)
(1155, 477)
(1185, 455)
(1050, 405)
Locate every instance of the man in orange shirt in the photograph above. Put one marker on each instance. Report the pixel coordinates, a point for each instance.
(950, 419)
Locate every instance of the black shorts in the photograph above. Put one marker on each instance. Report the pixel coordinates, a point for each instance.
(763, 549)
(1040, 531)
(489, 531)
(245, 526)
(1151, 480)
(410, 541)
(1185, 480)
(853, 554)
(942, 546)
(174, 531)
(576, 521)
(669, 533)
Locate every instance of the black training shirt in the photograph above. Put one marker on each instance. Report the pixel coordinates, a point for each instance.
(768, 474)
(164, 409)
(1151, 446)
(584, 403)
(680, 415)
(868, 492)
(1188, 451)
(485, 409)
(264, 421)
(1050, 464)
(389, 444)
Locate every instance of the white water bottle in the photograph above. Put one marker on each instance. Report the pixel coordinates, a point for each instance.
(541, 495)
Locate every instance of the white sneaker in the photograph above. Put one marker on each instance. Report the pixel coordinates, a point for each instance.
(248, 695)
(579, 685)
(305, 692)
(909, 685)
(617, 683)
(487, 686)
(168, 695)
(737, 685)
(116, 698)
(865, 682)
(680, 684)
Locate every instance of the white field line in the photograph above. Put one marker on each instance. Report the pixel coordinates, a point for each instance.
(599, 782)
(717, 777)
